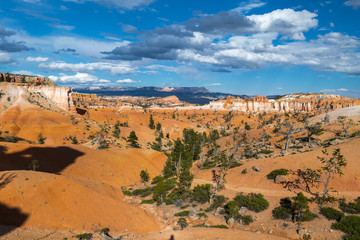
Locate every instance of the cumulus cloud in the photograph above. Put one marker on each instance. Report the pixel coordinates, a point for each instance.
(287, 21)
(111, 68)
(126, 4)
(127, 80)
(193, 39)
(37, 59)
(353, 3)
(78, 78)
(4, 57)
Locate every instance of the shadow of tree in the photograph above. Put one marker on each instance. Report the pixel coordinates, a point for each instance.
(50, 159)
(303, 180)
(10, 218)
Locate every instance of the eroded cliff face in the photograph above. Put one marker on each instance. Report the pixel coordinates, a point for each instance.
(288, 103)
(61, 96)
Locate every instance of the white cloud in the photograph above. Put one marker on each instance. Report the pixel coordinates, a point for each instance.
(280, 88)
(63, 27)
(31, 1)
(287, 21)
(353, 3)
(104, 81)
(5, 57)
(37, 59)
(84, 46)
(25, 72)
(78, 78)
(127, 4)
(249, 5)
(111, 68)
(214, 84)
(339, 90)
(127, 80)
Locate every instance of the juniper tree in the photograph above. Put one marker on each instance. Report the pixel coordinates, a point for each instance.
(132, 139)
(144, 175)
(332, 166)
(345, 124)
(151, 122)
(314, 129)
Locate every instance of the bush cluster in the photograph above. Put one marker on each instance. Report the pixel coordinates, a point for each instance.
(182, 214)
(350, 225)
(253, 201)
(202, 193)
(352, 207)
(273, 174)
(281, 212)
(331, 213)
(219, 201)
(297, 208)
(142, 192)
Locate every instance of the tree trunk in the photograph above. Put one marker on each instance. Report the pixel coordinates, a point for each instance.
(287, 142)
(327, 183)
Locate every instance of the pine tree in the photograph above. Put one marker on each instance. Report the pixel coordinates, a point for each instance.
(151, 122)
(132, 139)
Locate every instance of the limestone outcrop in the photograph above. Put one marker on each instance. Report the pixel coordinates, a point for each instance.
(61, 96)
(288, 103)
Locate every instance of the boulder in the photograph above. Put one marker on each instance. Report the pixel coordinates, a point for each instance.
(230, 222)
(257, 168)
(302, 231)
(280, 179)
(243, 210)
(335, 142)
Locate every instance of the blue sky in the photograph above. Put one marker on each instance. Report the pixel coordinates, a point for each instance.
(249, 47)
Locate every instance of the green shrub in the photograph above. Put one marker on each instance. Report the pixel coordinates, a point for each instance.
(219, 201)
(307, 216)
(201, 193)
(177, 196)
(161, 188)
(105, 230)
(185, 206)
(253, 201)
(246, 220)
(127, 193)
(352, 207)
(144, 175)
(273, 174)
(331, 213)
(142, 192)
(157, 179)
(281, 212)
(202, 214)
(84, 236)
(148, 201)
(350, 225)
(183, 223)
(214, 226)
(182, 214)
(244, 171)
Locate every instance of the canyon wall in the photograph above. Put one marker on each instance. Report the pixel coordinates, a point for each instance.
(288, 103)
(62, 96)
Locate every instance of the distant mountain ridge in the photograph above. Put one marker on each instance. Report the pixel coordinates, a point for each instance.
(194, 95)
